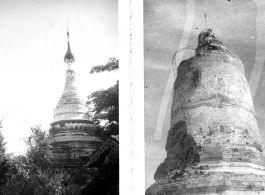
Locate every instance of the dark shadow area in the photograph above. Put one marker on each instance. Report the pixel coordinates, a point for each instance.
(182, 151)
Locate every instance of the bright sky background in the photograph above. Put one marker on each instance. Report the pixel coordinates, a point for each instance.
(238, 24)
(33, 42)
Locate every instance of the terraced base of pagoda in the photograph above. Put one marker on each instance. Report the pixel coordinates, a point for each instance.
(227, 178)
(72, 140)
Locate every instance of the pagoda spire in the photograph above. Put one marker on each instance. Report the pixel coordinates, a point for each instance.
(69, 57)
(71, 128)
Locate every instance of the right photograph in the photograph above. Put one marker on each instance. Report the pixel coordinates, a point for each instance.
(204, 97)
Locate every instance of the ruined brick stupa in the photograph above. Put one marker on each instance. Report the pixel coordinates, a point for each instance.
(72, 134)
(213, 145)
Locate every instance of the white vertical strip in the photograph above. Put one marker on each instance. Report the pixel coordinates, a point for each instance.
(124, 98)
(138, 98)
(260, 52)
(167, 93)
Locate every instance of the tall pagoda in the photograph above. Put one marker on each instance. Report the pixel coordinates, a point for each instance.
(72, 134)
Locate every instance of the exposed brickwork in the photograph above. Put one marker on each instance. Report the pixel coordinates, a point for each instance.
(214, 145)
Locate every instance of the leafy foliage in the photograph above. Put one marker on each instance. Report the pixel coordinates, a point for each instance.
(29, 174)
(23, 183)
(38, 149)
(2, 143)
(4, 160)
(106, 104)
(112, 64)
(33, 174)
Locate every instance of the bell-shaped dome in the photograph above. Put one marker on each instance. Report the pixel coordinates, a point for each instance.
(70, 93)
(70, 106)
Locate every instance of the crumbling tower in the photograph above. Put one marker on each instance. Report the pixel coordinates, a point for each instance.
(72, 134)
(213, 145)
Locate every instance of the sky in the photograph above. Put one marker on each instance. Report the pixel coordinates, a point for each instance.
(33, 43)
(170, 25)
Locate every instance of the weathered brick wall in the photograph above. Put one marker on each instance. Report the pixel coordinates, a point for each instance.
(202, 181)
(73, 140)
(212, 114)
(214, 144)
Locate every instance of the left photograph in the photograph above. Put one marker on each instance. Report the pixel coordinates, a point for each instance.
(59, 97)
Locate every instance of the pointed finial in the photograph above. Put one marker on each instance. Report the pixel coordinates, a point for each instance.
(205, 21)
(67, 30)
(69, 57)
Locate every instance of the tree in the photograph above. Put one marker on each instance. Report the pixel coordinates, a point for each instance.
(4, 160)
(105, 108)
(105, 103)
(2, 143)
(112, 64)
(32, 173)
(38, 153)
(24, 183)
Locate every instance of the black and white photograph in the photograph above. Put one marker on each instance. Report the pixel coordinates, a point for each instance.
(204, 82)
(184, 80)
(59, 97)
